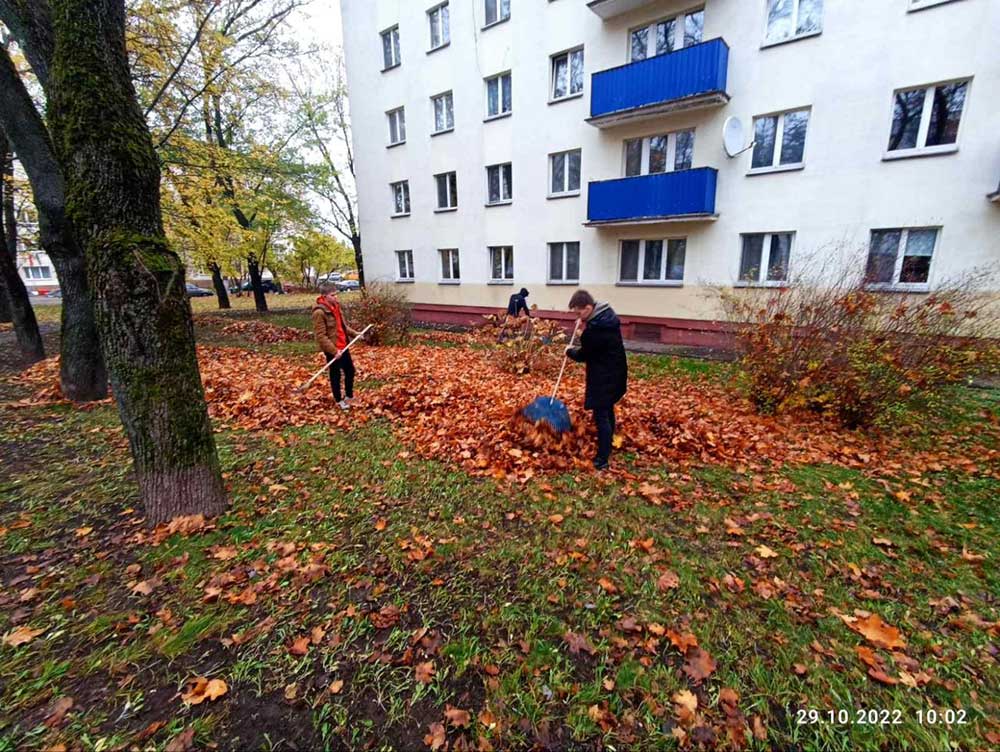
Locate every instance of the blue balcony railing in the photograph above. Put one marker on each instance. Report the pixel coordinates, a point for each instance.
(645, 198)
(691, 77)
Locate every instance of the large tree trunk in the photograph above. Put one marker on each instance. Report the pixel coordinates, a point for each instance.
(136, 281)
(259, 301)
(220, 286)
(358, 259)
(29, 339)
(82, 374)
(5, 317)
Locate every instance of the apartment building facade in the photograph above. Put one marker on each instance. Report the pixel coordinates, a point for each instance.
(554, 144)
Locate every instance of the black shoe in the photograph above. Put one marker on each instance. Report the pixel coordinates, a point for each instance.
(600, 464)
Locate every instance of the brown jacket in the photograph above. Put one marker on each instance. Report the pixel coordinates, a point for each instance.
(325, 329)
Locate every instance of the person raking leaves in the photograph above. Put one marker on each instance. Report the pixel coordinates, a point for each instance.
(332, 330)
(602, 351)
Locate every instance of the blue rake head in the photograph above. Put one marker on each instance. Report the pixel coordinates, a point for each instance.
(550, 411)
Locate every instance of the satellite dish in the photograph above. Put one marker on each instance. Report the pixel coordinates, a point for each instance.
(734, 137)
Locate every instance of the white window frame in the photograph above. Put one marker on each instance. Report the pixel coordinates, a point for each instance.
(405, 187)
(779, 142)
(436, 18)
(548, 253)
(397, 57)
(453, 257)
(650, 27)
(671, 157)
(639, 281)
(925, 121)
(916, 5)
(397, 115)
(37, 272)
(501, 112)
(498, 5)
(570, 94)
(765, 260)
(794, 37)
(506, 251)
(447, 98)
(407, 256)
(564, 155)
(452, 199)
(509, 186)
(904, 237)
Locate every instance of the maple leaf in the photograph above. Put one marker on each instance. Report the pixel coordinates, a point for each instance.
(299, 646)
(380, 524)
(21, 636)
(881, 676)
(183, 742)
(876, 631)
(698, 665)
(578, 642)
(424, 672)
(668, 581)
(867, 655)
(202, 689)
(766, 553)
(457, 717)
(436, 738)
(607, 585)
(687, 705)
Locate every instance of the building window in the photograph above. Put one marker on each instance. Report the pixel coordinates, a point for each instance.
(501, 263)
(567, 74)
(792, 19)
(564, 263)
(397, 126)
(656, 154)
(390, 48)
(921, 4)
(765, 257)
(400, 198)
(901, 258)
(444, 112)
(652, 262)
(926, 119)
(667, 35)
(37, 272)
(499, 181)
(497, 11)
(439, 23)
(404, 262)
(449, 265)
(564, 170)
(498, 95)
(447, 191)
(780, 140)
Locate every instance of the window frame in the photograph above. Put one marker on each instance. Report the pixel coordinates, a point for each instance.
(568, 54)
(678, 19)
(765, 260)
(400, 115)
(501, 113)
(641, 261)
(795, 37)
(671, 155)
(498, 4)
(918, 5)
(779, 141)
(510, 184)
(925, 121)
(394, 45)
(451, 98)
(505, 250)
(448, 190)
(400, 279)
(569, 193)
(549, 280)
(895, 285)
(406, 196)
(453, 257)
(444, 29)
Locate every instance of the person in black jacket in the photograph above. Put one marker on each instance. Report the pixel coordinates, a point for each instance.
(518, 304)
(603, 352)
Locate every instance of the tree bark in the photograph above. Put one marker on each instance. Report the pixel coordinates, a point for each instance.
(259, 300)
(82, 375)
(220, 286)
(358, 258)
(5, 317)
(136, 281)
(29, 339)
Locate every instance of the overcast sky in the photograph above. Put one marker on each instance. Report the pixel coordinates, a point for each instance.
(320, 22)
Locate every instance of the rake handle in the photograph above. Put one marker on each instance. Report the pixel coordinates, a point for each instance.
(331, 362)
(565, 359)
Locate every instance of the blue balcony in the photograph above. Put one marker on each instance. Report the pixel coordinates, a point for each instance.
(681, 196)
(691, 78)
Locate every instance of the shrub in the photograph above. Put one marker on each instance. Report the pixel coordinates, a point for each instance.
(385, 306)
(832, 344)
(522, 346)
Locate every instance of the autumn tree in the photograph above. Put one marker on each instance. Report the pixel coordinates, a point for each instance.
(310, 253)
(112, 179)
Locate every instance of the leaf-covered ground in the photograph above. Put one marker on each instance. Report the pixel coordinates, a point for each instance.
(422, 573)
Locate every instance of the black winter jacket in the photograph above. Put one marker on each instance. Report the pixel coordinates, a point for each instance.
(602, 350)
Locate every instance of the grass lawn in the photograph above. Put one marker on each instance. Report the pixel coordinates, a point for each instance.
(361, 594)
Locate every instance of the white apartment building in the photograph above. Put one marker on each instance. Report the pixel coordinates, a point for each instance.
(555, 144)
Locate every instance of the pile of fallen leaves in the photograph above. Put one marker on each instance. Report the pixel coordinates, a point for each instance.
(259, 332)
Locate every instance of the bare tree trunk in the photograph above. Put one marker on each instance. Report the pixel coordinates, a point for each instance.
(259, 300)
(5, 317)
(358, 258)
(220, 286)
(137, 282)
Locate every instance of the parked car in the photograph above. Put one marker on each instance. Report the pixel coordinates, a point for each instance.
(193, 291)
(267, 285)
(57, 293)
(331, 277)
(348, 284)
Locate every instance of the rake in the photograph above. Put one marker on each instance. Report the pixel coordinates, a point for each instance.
(331, 362)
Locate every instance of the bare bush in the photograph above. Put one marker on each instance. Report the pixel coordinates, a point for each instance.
(521, 346)
(385, 306)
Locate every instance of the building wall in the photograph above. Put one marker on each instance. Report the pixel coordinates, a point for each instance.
(847, 75)
(36, 271)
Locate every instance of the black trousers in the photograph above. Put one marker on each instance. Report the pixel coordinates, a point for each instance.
(345, 364)
(604, 419)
